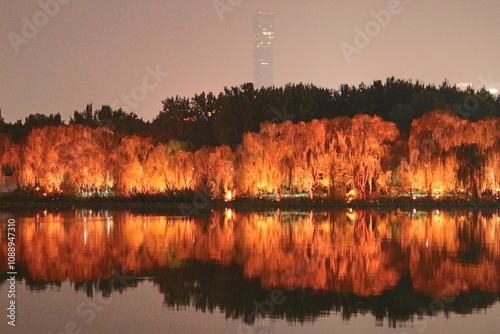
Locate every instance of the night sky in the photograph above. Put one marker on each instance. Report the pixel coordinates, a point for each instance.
(94, 51)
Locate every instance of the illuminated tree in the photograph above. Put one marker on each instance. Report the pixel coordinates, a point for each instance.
(356, 157)
(404, 175)
(128, 160)
(8, 155)
(222, 171)
(368, 141)
(314, 160)
(431, 140)
(471, 166)
(446, 151)
(336, 147)
(154, 165)
(184, 171)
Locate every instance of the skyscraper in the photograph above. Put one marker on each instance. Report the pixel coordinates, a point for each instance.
(263, 35)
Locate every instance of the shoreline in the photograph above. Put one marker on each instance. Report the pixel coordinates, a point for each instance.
(191, 205)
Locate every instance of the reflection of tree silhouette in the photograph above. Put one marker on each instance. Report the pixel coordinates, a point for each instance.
(118, 283)
(209, 287)
(471, 237)
(33, 284)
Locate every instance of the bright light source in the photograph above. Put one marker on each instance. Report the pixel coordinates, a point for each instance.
(493, 91)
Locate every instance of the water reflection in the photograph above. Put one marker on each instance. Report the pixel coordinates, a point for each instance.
(392, 264)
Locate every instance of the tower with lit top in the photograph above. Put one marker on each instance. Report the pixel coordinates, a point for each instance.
(263, 36)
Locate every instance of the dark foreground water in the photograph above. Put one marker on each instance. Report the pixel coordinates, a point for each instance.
(344, 271)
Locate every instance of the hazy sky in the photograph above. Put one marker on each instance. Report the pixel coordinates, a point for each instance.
(96, 51)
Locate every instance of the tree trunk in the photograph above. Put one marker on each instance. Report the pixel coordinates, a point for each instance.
(362, 194)
(476, 194)
(331, 187)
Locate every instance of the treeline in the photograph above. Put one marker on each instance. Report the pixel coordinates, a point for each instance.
(208, 119)
(360, 157)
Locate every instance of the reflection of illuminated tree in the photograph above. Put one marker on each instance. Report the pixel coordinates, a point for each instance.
(379, 259)
(322, 250)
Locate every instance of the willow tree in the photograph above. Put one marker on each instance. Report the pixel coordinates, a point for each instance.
(203, 169)
(129, 164)
(486, 135)
(250, 174)
(86, 156)
(260, 160)
(309, 158)
(8, 155)
(222, 171)
(160, 165)
(335, 146)
(477, 152)
(282, 153)
(276, 154)
(404, 176)
(214, 170)
(471, 167)
(316, 157)
(73, 156)
(184, 171)
(447, 152)
(38, 159)
(431, 141)
(368, 141)
(106, 142)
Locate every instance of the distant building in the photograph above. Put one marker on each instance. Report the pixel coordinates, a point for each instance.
(263, 35)
(464, 85)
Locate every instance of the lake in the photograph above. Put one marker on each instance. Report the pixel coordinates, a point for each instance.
(230, 271)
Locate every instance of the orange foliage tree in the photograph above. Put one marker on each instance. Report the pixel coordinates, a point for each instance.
(359, 157)
(447, 152)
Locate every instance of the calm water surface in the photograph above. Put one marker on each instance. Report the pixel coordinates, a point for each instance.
(230, 271)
